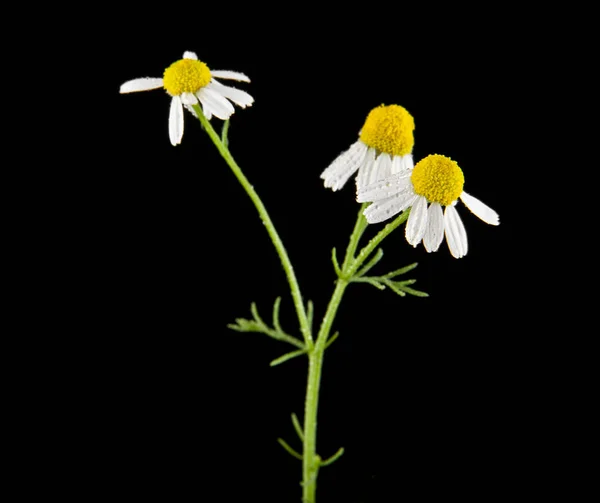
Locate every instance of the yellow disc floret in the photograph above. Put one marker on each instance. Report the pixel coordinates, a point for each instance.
(389, 129)
(186, 76)
(438, 179)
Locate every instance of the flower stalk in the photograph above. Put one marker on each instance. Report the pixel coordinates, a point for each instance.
(222, 147)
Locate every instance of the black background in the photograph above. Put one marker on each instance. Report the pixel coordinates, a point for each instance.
(429, 397)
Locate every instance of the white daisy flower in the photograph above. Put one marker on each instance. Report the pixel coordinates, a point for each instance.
(189, 81)
(384, 147)
(435, 182)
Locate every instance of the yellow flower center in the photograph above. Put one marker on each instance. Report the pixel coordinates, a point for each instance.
(186, 76)
(389, 129)
(438, 179)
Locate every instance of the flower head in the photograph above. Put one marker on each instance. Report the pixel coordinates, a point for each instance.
(384, 147)
(435, 182)
(189, 81)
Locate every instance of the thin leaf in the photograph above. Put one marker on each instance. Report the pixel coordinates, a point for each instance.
(333, 458)
(400, 271)
(246, 326)
(276, 314)
(395, 288)
(286, 357)
(371, 280)
(289, 339)
(336, 265)
(297, 427)
(309, 314)
(366, 268)
(224, 132)
(416, 293)
(258, 325)
(289, 449)
(254, 311)
(332, 340)
(406, 282)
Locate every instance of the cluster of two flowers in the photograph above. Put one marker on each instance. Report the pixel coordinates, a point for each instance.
(382, 157)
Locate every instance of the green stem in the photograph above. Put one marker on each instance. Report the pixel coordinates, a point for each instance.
(266, 219)
(374, 243)
(310, 460)
(359, 229)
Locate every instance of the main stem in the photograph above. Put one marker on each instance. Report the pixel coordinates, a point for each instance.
(266, 219)
(310, 460)
(315, 350)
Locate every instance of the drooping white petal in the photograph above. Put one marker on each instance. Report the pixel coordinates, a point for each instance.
(228, 74)
(239, 97)
(417, 221)
(382, 168)
(402, 163)
(456, 234)
(483, 211)
(176, 121)
(188, 99)
(207, 113)
(344, 166)
(393, 184)
(216, 104)
(364, 171)
(141, 84)
(434, 234)
(387, 208)
(189, 55)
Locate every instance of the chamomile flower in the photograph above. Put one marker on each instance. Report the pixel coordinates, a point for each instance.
(384, 147)
(189, 81)
(434, 183)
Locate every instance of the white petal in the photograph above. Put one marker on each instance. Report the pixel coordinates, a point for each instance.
(142, 84)
(417, 222)
(483, 211)
(382, 168)
(385, 188)
(216, 104)
(239, 97)
(228, 74)
(402, 163)
(344, 166)
(456, 235)
(434, 234)
(387, 208)
(189, 55)
(206, 113)
(176, 121)
(188, 99)
(364, 172)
